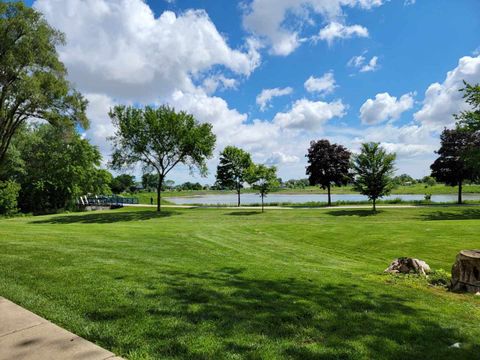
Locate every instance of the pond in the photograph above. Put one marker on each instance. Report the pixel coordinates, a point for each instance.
(249, 198)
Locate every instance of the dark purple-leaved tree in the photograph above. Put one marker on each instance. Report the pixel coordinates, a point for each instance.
(328, 165)
(454, 165)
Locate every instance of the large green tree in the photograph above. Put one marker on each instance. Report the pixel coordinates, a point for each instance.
(232, 169)
(59, 167)
(33, 80)
(123, 183)
(373, 170)
(470, 119)
(454, 165)
(328, 164)
(263, 179)
(160, 138)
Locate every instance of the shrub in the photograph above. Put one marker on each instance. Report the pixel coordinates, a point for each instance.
(8, 197)
(439, 278)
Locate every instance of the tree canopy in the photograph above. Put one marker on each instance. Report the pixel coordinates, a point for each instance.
(329, 164)
(263, 179)
(454, 166)
(470, 119)
(57, 166)
(33, 80)
(232, 169)
(373, 171)
(160, 139)
(123, 183)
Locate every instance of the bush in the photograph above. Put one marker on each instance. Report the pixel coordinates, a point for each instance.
(8, 197)
(439, 278)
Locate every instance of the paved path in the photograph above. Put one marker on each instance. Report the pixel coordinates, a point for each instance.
(26, 336)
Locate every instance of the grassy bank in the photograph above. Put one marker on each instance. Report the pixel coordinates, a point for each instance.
(213, 283)
(417, 189)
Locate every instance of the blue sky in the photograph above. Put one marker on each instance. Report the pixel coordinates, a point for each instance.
(386, 71)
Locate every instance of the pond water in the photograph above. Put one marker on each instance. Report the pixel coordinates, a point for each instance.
(231, 199)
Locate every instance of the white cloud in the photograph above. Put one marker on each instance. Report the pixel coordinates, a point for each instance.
(356, 61)
(213, 83)
(336, 30)
(310, 115)
(264, 98)
(360, 63)
(279, 158)
(409, 2)
(371, 66)
(385, 107)
(266, 19)
(442, 100)
(119, 47)
(322, 85)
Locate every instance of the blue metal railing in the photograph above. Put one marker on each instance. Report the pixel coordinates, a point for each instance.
(106, 200)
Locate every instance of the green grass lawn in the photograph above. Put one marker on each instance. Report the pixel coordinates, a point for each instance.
(236, 284)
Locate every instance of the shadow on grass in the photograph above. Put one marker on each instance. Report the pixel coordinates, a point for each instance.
(243, 213)
(465, 214)
(106, 217)
(359, 213)
(287, 318)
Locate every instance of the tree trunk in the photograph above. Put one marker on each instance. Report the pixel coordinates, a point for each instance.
(159, 192)
(238, 196)
(262, 202)
(329, 198)
(460, 192)
(374, 205)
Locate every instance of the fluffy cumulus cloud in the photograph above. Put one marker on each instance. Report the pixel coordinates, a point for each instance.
(119, 47)
(278, 158)
(264, 98)
(323, 85)
(360, 62)
(444, 99)
(310, 115)
(336, 30)
(266, 20)
(384, 108)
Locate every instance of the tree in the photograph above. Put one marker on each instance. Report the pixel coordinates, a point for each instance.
(263, 179)
(470, 119)
(149, 181)
(453, 166)
(60, 167)
(160, 139)
(328, 164)
(169, 184)
(373, 170)
(233, 168)
(123, 183)
(404, 179)
(429, 181)
(32, 79)
(8, 197)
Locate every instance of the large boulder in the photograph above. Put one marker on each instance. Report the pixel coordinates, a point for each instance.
(466, 272)
(406, 265)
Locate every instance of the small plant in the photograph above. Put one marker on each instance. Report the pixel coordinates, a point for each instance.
(428, 197)
(439, 278)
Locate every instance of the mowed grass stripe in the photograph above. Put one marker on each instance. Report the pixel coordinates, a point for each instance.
(220, 283)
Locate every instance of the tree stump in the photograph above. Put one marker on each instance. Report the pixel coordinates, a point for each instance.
(466, 272)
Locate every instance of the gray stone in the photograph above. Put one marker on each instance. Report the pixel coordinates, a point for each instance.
(406, 265)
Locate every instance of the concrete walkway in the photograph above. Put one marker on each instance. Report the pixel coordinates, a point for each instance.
(26, 336)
